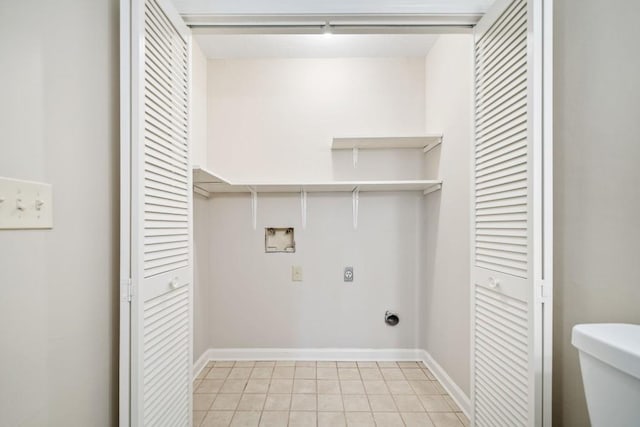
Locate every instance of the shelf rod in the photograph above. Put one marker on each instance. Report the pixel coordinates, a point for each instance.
(355, 157)
(303, 207)
(254, 207)
(355, 198)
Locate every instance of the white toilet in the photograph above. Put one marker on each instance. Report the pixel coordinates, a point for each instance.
(610, 364)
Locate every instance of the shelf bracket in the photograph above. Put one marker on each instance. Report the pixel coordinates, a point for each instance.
(433, 145)
(355, 157)
(303, 208)
(432, 189)
(254, 207)
(355, 198)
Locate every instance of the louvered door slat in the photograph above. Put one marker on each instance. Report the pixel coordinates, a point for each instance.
(161, 177)
(502, 383)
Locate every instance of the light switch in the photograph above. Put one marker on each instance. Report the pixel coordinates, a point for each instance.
(25, 204)
(296, 273)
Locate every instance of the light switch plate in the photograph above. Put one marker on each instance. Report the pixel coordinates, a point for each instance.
(25, 204)
(296, 273)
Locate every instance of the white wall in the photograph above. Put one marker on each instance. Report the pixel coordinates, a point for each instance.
(276, 118)
(444, 293)
(253, 302)
(201, 218)
(59, 121)
(270, 114)
(198, 106)
(596, 200)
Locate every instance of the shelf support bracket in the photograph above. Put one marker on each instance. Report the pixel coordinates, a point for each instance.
(254, 207)
(355, 198)
(432, 189)
(303, 207)
(355, 157)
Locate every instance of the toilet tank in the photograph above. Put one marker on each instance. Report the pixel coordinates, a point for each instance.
(610, 365)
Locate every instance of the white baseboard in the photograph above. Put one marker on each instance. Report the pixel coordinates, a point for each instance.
(341, 354)
(456, 393)
(201, 363)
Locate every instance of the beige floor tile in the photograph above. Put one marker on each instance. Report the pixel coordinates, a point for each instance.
(416, 419)
(246, 419)
(400, 387)
(330, 403)
(224, 363)
(217, 419)
(414, 374)
(274, 419)
(326, 364)
(439, 387)
(375, 387)
(251, 402)
(452, 403)
(408, 364)
(265, 364)
(210, 364)
(327, 373)
(435, 403)
(203, 373)
(408, 403)
(424, 387)
(331, 419)
(304, 402)
(367, 364)
(261, 373)
(392, 374)
(445, 419)
(305, 373)
(234, 386)
(218, 373)
(202, 402)
(226, 402)
(305, 386)
(196, 384)
(382, 403)
(356, 403)
(349, 373)
(302, 419)
(463, 419)
(283, 372)
(257, 386)
(285, 363)
(244, 364)
(347, 365)
(352, 387)
(328, 387)
(281, 386)
(388, 419)
(429, 374)
(198, 416)
(239, 373)
(277, 402)
(210, 386)
(359, 419)
(370, 374)
(305, 364)
(387, 364)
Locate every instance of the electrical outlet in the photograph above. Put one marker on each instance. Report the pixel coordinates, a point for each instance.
(296, 273)
(348, 274)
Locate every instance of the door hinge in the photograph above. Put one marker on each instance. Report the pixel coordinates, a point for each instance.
(126, 290)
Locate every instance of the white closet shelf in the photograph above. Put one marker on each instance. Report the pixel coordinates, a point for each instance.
(426, 142)
(209, 182)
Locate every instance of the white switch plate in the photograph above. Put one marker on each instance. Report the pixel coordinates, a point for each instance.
(296, 273)
(25, 204)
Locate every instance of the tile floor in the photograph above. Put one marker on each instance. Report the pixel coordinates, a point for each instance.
(322, 394)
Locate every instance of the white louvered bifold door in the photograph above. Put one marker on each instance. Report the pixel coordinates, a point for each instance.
(506, 297)
(161, 218)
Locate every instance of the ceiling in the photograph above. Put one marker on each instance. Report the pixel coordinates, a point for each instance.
(315, 45)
